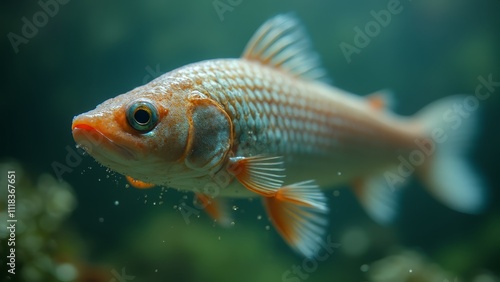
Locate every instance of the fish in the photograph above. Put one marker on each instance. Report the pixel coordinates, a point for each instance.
(270, 125)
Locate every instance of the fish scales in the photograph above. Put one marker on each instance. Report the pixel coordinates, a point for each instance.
(274, 113)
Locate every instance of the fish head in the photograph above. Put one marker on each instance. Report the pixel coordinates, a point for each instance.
(158, 133)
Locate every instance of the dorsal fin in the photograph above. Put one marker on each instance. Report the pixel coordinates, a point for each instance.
(381, 100)
(283, 43)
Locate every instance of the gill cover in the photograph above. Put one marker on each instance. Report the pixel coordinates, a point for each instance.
(210, 133)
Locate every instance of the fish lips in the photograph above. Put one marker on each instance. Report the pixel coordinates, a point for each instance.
(98, 145)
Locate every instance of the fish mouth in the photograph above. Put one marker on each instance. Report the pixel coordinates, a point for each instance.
(98, 145)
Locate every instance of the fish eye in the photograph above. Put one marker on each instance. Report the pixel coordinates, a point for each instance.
(142, 116)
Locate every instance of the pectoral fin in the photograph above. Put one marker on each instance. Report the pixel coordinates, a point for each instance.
(259, 174)
(139, 184)
(298, 211)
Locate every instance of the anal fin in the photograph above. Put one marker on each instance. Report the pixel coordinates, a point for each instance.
(298, 211)
(378, 199)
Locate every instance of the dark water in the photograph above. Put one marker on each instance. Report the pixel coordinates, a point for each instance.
(63, 59)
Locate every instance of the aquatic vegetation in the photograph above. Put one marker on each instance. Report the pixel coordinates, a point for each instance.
(413, 266)
(45, 249)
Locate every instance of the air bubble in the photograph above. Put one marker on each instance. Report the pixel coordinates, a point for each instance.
(117, 203)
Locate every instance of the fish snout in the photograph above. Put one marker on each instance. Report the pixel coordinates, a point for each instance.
(96, 143)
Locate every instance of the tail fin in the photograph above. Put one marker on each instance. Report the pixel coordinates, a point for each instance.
(450, 125)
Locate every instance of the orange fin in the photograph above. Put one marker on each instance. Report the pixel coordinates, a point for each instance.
(381, 100)
(260, 174)
(139, 184)
(378, 199)
(215, 208)
(298, 211)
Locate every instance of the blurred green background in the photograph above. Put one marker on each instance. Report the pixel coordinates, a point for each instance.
(89, 51)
